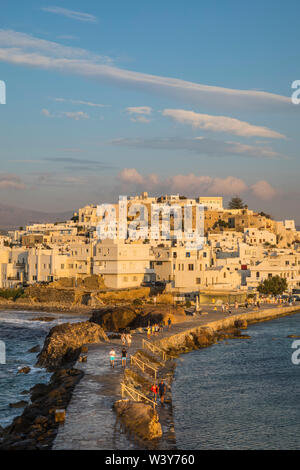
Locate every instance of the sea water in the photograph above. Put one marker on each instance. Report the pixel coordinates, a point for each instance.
(20, 333)
(241, 393)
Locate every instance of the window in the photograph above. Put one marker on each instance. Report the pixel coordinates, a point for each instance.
(62, 266)
(257, 274)
(198, 280)
(188, 254)
(191, 267)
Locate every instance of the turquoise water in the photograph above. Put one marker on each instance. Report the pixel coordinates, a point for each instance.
(240, 394)
(20, 333)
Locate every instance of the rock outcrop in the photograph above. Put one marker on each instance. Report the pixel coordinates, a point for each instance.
(139, 418)
(114, 318)
(24, 370)
(127, 316)
(64, 342)
(36, 428)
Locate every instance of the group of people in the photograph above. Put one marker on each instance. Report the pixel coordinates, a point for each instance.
(157, 327)
(126, 338)
(160, 389)
(112, 357)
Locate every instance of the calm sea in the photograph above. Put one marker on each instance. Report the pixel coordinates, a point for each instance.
(20, 333)
(240, 394)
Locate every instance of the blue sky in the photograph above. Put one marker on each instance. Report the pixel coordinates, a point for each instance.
(116, 97)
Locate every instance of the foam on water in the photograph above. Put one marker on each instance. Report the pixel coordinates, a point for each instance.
(20, 333)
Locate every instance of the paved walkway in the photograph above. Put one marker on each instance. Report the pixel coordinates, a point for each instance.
(90, 421)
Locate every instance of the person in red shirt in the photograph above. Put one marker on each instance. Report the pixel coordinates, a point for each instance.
(154, 390)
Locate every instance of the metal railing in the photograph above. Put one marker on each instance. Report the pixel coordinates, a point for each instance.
(135, 394)
(142, 365)
(153, 348)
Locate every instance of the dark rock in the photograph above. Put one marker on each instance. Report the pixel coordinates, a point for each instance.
(25, 392)
(240, 323)
(114, 318)
(46, 319)
(35, 349)
(18, 404)
(24, 370)
(64, 343)
(36, 427)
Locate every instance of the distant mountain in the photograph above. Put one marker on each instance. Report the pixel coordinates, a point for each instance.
(14, 217)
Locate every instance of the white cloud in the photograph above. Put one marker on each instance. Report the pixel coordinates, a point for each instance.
(140, 119)
(131, 176)
(77, 115)
(139, 110)
(16, 48)
(192, 184)
(46, 112)
(263, 190)
(85, 103)
(220, 124)
(74, 15)
(139, 113)
(69, 114)
(201, 146)
(11, 181)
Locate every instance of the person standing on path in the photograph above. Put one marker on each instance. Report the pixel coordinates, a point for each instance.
(129, 339)
(169, 323)
(123, 339)
(148, 332)
(162, 388)
(112, 357)
(154, 390)
(124, 355)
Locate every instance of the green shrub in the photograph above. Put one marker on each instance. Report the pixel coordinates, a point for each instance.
(12, 293)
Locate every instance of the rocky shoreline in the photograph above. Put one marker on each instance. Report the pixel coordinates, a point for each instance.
(37, 427)
(147, 428)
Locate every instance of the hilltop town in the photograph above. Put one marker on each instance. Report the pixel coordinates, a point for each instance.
(240, 249)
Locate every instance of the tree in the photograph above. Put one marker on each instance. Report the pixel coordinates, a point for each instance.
(263, 214)
(236, 203)
(273, 286)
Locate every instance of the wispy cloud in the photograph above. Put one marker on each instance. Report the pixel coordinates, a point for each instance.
(220, 124)
(192, 184)
(76, 161)
(139, 113)
(85, 103)
(201, 146)
(11, 181)
(76, 115)
(25, 50)
(74, 15)
(139, 110)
